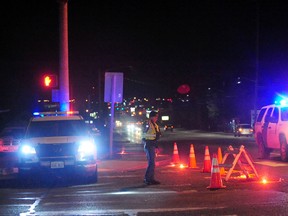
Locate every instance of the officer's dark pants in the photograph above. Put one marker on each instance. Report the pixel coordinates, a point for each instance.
(149, 148)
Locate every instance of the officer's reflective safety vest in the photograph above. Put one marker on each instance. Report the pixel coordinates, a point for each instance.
(151, 130)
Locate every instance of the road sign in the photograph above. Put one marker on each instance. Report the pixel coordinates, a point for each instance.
(113, 94)
(113, 87)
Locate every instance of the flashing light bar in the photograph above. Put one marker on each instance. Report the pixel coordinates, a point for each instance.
(281, 102)
(55, 113)
(281, 99)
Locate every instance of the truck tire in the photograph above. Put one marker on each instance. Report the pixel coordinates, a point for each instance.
(263, 151)
(283, 148)
(92, 179)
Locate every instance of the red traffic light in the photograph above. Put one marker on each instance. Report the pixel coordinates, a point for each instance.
(50, 80)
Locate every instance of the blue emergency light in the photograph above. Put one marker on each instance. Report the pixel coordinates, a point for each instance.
(281, 100)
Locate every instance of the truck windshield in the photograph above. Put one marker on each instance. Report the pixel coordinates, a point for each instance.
(57, 128)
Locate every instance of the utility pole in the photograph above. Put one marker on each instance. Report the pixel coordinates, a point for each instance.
(62, 95)
(257, 63)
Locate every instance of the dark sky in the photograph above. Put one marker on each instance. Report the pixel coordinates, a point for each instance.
(158, 45)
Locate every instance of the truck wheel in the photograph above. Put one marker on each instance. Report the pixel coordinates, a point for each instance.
(263, 152)
(93, 178)
(26, 179)
(283, 149)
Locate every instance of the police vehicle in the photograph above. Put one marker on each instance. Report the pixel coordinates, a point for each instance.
(271, 130)
(58, 143)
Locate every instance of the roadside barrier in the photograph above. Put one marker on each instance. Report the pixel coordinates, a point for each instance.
(192, 158)
(242, 159)
(175, 158)
(216, 181)
(207, 161)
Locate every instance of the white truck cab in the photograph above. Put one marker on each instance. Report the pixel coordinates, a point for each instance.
(271, 130)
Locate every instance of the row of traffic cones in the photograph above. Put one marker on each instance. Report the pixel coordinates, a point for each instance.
(216, 171)
(207, 161)
(192, 158)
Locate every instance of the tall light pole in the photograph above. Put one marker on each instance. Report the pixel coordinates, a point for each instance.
(63, 94)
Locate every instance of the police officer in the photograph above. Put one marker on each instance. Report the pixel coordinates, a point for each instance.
(151, 134)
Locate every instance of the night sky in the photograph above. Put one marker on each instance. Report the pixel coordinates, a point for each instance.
(158, 45)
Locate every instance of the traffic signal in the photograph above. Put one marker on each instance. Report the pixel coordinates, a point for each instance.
(50, 80)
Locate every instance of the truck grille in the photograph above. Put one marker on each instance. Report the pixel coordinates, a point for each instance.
(56, 150)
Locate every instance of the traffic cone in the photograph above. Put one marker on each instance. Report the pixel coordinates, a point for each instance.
(207, 161)
(216, 181)
(222, 171)
(176, 158)
(192, 158)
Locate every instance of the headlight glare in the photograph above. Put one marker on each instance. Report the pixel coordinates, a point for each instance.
(27, 149)
(86, 147)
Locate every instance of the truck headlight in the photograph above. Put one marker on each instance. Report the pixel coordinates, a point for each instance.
(86, 146)
(27, 150)
(86, 149)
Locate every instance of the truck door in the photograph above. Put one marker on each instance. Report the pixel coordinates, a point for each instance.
(265, 125)
(272, 139)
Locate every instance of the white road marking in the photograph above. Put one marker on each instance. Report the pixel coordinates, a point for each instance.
(272, 163)
(97, 193)
(31, 210)
(130, 212)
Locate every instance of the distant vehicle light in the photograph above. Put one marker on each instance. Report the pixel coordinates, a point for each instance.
(168, 127)
(243, 130)
(118, 123)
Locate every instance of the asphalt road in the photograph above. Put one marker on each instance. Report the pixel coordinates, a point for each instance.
(181, 192)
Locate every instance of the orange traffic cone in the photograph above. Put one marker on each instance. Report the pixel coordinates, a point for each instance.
(207, 161)
(216, 181)
(222, 171)
(176, 158)
(192, 158)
